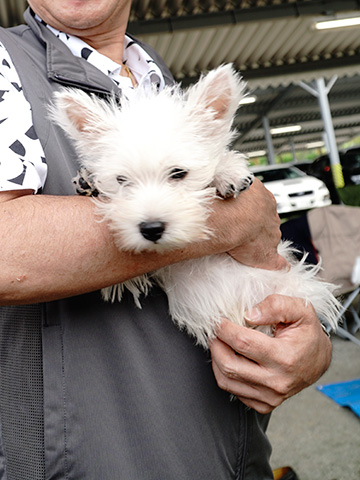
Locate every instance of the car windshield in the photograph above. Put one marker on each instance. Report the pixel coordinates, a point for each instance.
(276, 174)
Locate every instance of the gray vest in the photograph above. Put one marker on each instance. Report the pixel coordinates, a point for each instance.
(98, 391)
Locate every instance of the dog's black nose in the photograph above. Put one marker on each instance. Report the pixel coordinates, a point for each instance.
(152, 230)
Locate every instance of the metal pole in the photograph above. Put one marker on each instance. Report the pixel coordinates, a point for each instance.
(320, 90)
(269, 144)
(293, 149)
(330, 133)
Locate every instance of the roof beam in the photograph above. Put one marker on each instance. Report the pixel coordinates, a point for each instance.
(240, 15)
(301, 67)
(281, 71)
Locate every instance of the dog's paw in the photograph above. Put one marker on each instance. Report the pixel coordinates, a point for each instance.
(232, 174)
(83, 184)
(233, 189)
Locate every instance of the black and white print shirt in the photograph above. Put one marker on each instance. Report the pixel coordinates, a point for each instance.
(22, 159)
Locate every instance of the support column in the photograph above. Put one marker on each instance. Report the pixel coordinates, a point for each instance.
(293, 149)
(269, 144)
(321, 91)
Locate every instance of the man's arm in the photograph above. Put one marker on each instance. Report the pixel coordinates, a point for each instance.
(54, 247)
(264, 371)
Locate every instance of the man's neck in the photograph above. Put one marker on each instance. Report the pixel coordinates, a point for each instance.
(106, 36)
(108, 45)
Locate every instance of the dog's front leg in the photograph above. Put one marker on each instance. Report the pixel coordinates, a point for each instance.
(232, 175)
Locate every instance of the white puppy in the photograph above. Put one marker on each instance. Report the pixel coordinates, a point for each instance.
(156, 163)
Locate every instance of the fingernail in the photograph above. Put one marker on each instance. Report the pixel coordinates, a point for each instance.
(253, 315)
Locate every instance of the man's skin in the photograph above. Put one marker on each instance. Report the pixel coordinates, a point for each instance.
(68, 252)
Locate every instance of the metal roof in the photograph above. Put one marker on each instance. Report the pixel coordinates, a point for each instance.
(273, 44)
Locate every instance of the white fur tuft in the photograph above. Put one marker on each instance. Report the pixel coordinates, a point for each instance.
(201, 292)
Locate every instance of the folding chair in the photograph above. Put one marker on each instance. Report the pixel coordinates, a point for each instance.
(335, 233)
(351, 304)
(332, 234)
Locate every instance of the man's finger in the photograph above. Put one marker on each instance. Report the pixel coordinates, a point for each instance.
(277, 309)
(245, 379)
(245, 341)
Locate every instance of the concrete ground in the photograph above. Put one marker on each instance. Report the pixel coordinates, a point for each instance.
(314, 435)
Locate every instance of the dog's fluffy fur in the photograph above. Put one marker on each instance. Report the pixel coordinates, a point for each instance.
(157, 162)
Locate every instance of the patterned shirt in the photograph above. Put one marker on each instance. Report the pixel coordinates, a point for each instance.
(22, 159)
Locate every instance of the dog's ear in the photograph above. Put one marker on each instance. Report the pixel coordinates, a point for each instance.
(217, 95)
(80, 115)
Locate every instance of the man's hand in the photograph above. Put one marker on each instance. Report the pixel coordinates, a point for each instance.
(264, 371)
(249, 228)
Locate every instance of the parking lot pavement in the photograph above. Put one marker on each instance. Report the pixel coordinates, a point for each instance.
(314, 435)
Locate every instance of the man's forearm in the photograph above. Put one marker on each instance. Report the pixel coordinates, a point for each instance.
(53, 247)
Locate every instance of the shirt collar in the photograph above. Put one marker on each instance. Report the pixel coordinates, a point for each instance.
(142, 66)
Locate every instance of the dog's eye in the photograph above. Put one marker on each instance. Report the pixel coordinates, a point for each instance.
(178, 173)
(121, 179)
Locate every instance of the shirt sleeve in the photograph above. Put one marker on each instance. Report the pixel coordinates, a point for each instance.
(22, 159)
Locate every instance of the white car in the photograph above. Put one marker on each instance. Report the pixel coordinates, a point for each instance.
(292, 188)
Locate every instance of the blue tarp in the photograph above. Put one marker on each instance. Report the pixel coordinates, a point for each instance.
(346, 394)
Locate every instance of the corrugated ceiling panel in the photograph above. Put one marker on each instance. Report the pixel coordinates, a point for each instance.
(172, 45)
(202, 43)
(180, 64)
(162, 45)
(299, 41)
(229, 45)
(11, 10)
(280, 49)
(268, 48)
(210, 48)
(349, 41)
(189, 52)
(4, 14)
(325, 43)
(151, 8)
(290, 38)
(243, 41)
(259, 43)
(250, 37)
(346, 41)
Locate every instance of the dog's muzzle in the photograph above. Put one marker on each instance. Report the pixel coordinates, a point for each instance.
(152, 231)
